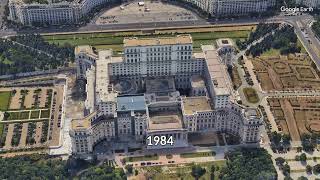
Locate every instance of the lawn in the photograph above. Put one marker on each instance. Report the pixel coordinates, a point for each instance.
(4, 100)
(35, 114)
(142, 158)
(45, 114)
(198, 154)
(20, 115)
(115, 40)
(251, 95)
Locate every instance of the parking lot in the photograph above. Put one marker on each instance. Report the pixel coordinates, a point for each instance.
(151, 11)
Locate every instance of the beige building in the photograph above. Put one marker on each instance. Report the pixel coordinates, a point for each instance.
(56, 13)
(137, 95)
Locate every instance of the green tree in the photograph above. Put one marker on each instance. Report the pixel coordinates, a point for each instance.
(129, 168)
(212, 170)
(286, 169)
(302, 178)
(303, 157)
(197, 171)
(308, 169)
(280, 161)
(316, 169)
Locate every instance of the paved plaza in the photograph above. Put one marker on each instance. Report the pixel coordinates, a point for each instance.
(151, 11)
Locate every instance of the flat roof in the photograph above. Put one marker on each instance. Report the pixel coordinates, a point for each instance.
(197, 81)
(179, 39)
(160, 85)
(128, 103)
(84, 123)
(217, 71)
(165, 122)
(252, 113)
(192, 105)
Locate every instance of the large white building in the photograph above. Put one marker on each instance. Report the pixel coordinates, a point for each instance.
(64, 12)
(233, 7)
(133, 97)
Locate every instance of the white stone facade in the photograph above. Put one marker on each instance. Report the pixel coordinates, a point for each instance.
(52, 13)
(161, 65)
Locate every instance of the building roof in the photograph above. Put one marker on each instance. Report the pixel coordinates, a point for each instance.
(103, 87)
(128, 103)
(134, 41)
(217, 71)
(85, 123)
(195, 104)
(197, 81)
(252, 113)
(166, 120)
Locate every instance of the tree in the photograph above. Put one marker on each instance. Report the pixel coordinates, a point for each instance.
(280, 161)
(316, 169)
(213, 169)
(303, 157)
(197, 171)
(286, 169)
(286, 140)
(308, 169)
(302, 178)
(287, 178)
(129, 168)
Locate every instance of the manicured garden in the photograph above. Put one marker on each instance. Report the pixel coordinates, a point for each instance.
(142, 158)
(251, 95)
(198, 154)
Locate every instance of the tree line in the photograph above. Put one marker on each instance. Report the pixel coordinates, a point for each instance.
(283, 39)
(15, 58)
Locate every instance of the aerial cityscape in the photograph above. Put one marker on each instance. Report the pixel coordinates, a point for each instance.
(160, 89)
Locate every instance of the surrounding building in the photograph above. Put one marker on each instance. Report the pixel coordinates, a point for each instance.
(159, 88)
(62, 12)
(72, 12)
(233, 7)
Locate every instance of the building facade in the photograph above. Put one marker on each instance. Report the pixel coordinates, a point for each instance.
(52, 13)
(72, 12)
(136, 97)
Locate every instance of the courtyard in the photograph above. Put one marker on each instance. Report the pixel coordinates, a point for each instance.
(151, 11)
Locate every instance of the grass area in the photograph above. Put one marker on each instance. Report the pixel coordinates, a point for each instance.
(19, 115)
(142, 158)
(115, 40)
(251, 95)
(35, 114)
(276, 52)
(45, 114)
(4, 100)
(198, 154)
(1, 129)
(182, 171)
(271, 52)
